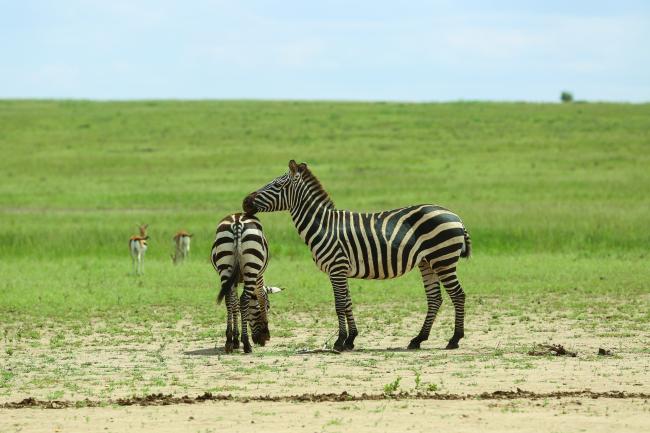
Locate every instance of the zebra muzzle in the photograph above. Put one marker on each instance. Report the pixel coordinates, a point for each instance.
(248, 204)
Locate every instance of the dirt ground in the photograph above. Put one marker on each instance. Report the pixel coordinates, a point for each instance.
(558, 415)
(99, 365)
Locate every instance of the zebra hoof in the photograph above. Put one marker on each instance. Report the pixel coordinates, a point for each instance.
(228, 347)
(339, 347)
(452, 345)
(414, 345)
(348, 346)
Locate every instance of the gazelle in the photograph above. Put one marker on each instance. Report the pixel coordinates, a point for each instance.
(182, 241)
(137, 247)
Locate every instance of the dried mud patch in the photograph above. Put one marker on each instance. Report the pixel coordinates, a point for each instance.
(168, 399)
(551, 349)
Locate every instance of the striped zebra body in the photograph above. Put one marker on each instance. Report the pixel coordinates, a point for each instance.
(240, 254)
(378, 245)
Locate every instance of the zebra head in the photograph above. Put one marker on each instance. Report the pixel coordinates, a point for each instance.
(278, 194)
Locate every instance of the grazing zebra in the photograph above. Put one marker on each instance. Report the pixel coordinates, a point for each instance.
(240, 254)
(137, 247)
(254, 318)
(182, 241)
(378, 245)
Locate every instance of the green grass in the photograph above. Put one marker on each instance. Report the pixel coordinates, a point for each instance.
(555, 196)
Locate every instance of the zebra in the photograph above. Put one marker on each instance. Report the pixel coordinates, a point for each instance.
(380, 245)
(240, 253)
(137, 248)
(182, 240)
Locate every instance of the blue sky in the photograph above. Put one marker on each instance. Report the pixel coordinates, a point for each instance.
(342, 50)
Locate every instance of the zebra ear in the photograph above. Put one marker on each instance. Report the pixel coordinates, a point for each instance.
(293, 167)
(271, 289)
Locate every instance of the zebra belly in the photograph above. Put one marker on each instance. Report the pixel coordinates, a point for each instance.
(378, 267)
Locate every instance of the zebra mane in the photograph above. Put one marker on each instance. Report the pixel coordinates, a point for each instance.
(315, 184)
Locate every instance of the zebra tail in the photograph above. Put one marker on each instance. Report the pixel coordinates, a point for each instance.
(228, 286)
(466, 252)
(235, 275)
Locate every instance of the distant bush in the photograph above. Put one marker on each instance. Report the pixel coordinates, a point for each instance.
(566, 96)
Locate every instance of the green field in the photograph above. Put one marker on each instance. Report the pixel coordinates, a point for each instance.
(556, 197)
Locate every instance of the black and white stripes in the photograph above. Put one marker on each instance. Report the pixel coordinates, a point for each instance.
(240, 254)
(379, 245)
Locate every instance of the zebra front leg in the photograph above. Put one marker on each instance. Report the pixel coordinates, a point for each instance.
(265, 334)
(434, 300)
(449, 279)
(340, 286)
(352, 327)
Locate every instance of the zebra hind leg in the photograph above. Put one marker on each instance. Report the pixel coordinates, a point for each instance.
(229, 334)
(235, 319)
(434, 300)
(455, 291)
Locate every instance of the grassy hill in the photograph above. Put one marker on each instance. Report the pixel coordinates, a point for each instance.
(556, 197)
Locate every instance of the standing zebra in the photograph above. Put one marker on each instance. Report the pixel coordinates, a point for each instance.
(240, 254)
(379, 245)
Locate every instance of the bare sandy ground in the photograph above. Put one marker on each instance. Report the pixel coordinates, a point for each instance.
(368, 416)
(492, 357)
(103, 365)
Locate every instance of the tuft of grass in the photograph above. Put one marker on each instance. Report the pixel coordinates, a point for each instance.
(392, 387)
(5, 378)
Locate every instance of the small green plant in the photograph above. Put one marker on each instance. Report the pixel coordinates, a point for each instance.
(335, 421)
(393, 386)
(432, 387)
(418, 378)
(5, 378)
(55, 395)
(58, 340)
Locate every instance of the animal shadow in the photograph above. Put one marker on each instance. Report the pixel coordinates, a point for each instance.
(212, 351)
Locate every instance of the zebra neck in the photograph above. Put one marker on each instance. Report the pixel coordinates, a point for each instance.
(310, 215)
